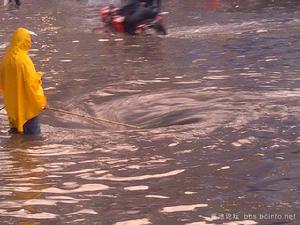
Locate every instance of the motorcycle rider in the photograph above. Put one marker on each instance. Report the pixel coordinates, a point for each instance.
(136, 11)
(18, 2)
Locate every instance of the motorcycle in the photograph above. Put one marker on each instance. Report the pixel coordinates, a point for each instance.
(113, 22)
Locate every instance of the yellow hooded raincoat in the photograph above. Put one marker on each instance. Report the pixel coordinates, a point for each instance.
(20, 83)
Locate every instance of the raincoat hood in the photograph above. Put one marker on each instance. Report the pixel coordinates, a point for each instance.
(21, 39)
(20, 83)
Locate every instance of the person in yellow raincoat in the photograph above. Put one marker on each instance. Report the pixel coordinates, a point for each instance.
(21, 86)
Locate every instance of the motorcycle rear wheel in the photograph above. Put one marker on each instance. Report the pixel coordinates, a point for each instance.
(159, 28)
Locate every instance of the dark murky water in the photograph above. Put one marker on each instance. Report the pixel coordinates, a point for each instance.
(217, 100)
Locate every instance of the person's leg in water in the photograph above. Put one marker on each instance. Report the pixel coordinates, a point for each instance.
(13, 129)
(18, 2)
(32, 126)
(141, 14)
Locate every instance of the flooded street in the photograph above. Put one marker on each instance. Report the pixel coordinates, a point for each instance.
(217, 101)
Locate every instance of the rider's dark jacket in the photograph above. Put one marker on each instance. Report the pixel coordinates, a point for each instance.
(152, 3)
(131, 6)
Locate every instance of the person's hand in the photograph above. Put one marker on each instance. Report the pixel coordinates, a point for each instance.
(46, 106)
(40, 74)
